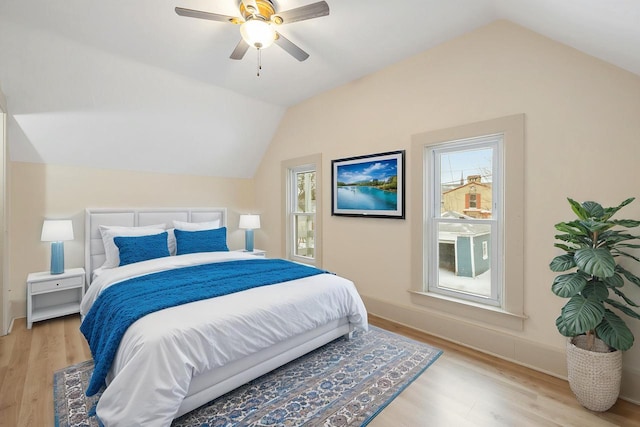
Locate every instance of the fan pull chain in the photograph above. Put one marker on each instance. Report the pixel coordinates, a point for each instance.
(259, 61)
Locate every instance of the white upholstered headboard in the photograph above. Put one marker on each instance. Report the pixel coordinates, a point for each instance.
(128, 217)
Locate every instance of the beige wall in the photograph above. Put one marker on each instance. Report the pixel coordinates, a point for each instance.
(581, 130)
(45, 191)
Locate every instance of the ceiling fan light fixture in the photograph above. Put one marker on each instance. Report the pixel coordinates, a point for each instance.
(258, 33)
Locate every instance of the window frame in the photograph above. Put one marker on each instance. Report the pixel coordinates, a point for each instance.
(294, 214)
(511, 314)
(434, 201)
(289, 170)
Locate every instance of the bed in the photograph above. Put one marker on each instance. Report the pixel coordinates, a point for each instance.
(172, 361)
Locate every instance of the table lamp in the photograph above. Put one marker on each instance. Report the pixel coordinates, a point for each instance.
(249, 223)
(56, 232)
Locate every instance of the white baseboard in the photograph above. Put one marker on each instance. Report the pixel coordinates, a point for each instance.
(534, 355)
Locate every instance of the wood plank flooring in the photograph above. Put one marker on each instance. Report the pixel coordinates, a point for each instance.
(463, 388)
(28, 359)
(467, 388)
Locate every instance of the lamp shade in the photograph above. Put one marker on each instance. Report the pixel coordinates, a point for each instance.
(57, 230)
(258, 33)
(249, 222)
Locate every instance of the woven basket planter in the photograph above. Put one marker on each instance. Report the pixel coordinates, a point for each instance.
(594, 376)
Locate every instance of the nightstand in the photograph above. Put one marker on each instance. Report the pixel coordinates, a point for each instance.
(255, 252)
(53, 295)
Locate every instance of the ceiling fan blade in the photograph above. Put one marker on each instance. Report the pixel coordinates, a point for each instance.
(206, 15)
(291, 48)
(240, 50)
(314, 10)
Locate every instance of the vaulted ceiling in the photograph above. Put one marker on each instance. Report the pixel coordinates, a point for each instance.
(132, 85)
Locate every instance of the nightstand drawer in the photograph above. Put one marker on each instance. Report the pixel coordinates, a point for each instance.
(50, 285)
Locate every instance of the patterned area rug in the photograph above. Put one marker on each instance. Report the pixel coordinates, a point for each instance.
(344, 383)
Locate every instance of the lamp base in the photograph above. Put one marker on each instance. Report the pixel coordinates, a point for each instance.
(248, 240)
(57, 257)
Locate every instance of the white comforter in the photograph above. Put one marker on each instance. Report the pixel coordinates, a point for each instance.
(160, 353)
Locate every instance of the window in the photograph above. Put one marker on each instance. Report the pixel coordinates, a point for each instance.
(462, 236)
(303, 214)
(302, 231)
(472, 201)
(467, 221)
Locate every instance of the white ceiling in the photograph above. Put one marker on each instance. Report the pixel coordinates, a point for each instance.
(131, 85)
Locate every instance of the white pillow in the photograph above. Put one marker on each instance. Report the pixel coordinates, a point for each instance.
(108, 232)
(196, 226)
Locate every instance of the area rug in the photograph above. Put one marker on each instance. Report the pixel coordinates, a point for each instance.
(344, 383)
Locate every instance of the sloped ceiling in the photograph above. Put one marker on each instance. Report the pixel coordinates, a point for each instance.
(131, 85)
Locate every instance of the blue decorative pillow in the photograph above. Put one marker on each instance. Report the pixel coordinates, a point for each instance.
(141, 248)
(189, 242)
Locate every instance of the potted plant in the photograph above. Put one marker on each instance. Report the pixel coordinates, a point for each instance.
(594, 243)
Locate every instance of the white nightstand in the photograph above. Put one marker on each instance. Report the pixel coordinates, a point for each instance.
(53, 295)
(256, 252)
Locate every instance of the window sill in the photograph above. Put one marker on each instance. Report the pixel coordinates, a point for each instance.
(469, 310)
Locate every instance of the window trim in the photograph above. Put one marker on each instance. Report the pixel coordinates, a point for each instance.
(288, 167)
(511, 314)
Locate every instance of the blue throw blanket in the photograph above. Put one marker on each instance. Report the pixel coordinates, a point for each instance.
(120, 305)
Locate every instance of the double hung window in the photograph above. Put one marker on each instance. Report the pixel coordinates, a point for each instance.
(464, 219)
(303, 214)
(467, 257)
(303, 202)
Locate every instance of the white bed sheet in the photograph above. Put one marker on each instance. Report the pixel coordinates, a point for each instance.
(160, 353)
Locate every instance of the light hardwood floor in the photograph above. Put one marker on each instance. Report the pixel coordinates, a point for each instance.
(462, 388)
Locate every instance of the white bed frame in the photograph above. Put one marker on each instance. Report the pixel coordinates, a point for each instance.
(208, 385)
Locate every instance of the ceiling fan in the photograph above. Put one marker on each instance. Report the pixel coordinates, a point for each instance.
(258, 22)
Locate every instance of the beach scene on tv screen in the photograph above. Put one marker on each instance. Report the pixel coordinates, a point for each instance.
(368, 185)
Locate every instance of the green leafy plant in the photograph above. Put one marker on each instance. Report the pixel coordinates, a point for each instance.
(593, 244)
